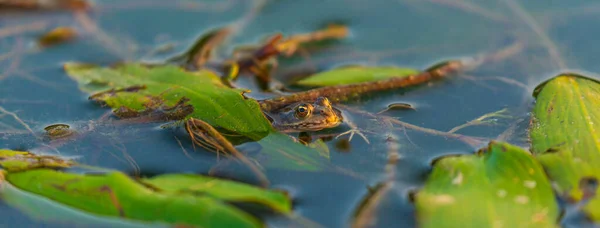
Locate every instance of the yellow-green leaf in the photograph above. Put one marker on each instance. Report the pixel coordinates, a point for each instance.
(355, 74)
(565, 136)
(502, 185)
(14, 161)
(42, 209)
(221, 189)
(115, 194)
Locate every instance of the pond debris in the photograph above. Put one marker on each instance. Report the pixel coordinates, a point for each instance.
(343, 145)
(57, 36)
(470, 140)
(201, 51)
(156, 110)
(486, 119)
(22, 28)
(15, 161)
(121, 47)
(56, 131)
(473, 8)
(155, 107)
(545, 40)
(348, 91)
(397, 106)
(206, 136)
(19, 120)
(254, 60)
(46, 4)
(98, 97)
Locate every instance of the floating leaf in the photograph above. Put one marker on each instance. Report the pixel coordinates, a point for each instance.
(57, 36)
(355, 74)
(202, 49)
(115, 194)
(222, 189)
(500, 186)
(132, 88)
(13, 161)
(565, 136)
(41, 208)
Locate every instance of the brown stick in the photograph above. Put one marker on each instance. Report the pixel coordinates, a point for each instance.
(345, 92)
(227, 146)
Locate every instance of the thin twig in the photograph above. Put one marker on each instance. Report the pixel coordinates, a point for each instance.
(183, 148)
(102, 37)
(366, 213)
(470, 140)
(19, 29)
(481, 120)
(16, 117)
(473, 8)
(14, 64)
(546, 41)
(193, 6)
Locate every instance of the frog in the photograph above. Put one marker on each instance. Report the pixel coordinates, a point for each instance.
(304, 116)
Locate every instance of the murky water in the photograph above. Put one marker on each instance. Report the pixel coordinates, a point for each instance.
(417, 34)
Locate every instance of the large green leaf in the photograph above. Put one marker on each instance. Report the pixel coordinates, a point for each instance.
(213, 102)
(355, 74)
(225, 190)
(565, 135)
(216, 104)
(41, 208)
(500, 186)
(115, 194)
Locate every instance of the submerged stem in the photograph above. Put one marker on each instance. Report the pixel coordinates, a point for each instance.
(196, 127)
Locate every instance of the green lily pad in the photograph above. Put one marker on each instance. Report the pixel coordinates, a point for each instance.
(41, 208)
(14, 161)
(565, 136)
(502, 185)
(169, 90)
(222, 189)
(115, 194)
(355, 74)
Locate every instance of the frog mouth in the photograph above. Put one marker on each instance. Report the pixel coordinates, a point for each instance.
(317, 126)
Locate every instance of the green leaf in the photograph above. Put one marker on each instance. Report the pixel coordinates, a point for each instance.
(500, 186)
(565, 136)
(213, 102)
(221, 189)
(41, 208)
(165, 86)
(14, 161)
(355, 74)
(115, 194)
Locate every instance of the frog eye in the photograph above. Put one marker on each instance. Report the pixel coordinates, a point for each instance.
(302, 111)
